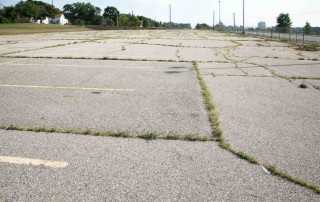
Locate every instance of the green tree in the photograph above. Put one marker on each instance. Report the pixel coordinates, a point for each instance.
(111, 13)
(79, 13)
(203, 26)
(9, 15)
(45, 10)
(31, 9)
(156, 24)
(135, 22)
(307, 28)
(284, 22)
(124, 20)
(27, 9)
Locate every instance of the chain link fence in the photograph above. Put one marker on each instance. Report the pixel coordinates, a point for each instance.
(295, 35)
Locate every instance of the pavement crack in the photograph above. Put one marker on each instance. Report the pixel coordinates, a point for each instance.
(217, 130)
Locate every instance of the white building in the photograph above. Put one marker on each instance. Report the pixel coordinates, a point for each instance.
(44, 21)
(60, 19)
(262, 25)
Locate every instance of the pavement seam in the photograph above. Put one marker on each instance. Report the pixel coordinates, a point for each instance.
(111, 58)
(277, 75)
(150, 135)
(45, 47)
(215, 124)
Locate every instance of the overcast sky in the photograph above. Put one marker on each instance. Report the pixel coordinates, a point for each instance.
(201, 11)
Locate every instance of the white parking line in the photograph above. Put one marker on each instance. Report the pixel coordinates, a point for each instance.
(14, 61)
(33, 162)
(69, 88)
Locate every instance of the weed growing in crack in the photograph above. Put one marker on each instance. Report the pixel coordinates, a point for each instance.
(148, 136)
(118, 134)
(215, 124)
(303, 85)
(308, 47)
(288, 177)
(317, 87)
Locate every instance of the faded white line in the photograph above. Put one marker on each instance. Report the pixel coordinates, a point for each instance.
(57, 65)
(14, 61)
(33, 162)
(69, 88)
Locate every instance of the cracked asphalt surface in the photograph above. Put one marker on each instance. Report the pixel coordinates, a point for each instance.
(254, 83)
(103, 169)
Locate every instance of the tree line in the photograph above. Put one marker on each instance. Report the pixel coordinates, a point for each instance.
(23, 11)
(284, 24)
(78, 13)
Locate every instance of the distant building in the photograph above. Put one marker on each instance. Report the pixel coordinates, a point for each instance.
(60, 19)
(181, 25)
(262, 25)
(44, 21)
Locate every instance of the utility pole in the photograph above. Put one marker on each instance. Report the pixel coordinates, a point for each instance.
(170, 15)
(243, 29)
(213, 19)
(234, 20)
(132, 17)
(219, 14)
(52, 3)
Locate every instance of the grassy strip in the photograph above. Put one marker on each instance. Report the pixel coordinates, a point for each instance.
(214, 120)
(146, 135)
(31, 28)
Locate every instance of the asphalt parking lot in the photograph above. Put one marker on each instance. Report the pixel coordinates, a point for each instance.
(145, 81)
(103, 95)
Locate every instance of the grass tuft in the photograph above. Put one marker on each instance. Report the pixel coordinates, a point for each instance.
(149, 136)
(303, 85)
(308, 47)
(88, 131)
(171, 136)
(247, 157)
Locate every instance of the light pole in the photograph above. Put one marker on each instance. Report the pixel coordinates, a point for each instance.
(243, 29)
(170, 15)
(213, 19)
(219, 14)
